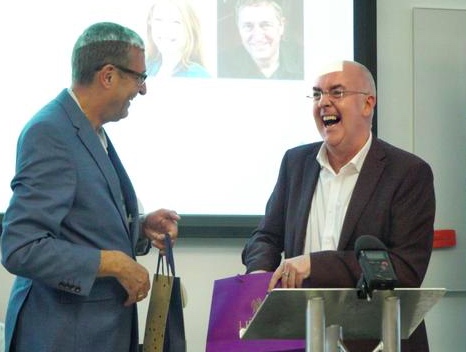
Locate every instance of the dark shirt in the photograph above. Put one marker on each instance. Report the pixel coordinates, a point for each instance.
(237, 63)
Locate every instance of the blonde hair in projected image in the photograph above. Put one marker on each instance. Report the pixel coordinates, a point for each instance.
(192, 51)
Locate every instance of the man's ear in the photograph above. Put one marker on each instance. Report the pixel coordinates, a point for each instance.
(369, 105)
(106, 75)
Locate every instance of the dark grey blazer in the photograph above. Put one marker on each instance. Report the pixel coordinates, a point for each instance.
(393, 200)
(67, 206)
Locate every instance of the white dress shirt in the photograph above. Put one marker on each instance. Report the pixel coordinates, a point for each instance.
(330, 200)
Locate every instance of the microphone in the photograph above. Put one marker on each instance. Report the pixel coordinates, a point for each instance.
(377, 268)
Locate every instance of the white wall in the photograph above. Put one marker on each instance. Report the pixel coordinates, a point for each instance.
(201, 261)
(401, 122)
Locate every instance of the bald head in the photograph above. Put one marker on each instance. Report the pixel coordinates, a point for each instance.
(358, 72)
(363, 73)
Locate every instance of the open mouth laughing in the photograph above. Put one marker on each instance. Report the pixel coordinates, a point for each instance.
(330, 120)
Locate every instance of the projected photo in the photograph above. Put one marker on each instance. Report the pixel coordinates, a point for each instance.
(201, 140)
(174, 42)
(260, 39)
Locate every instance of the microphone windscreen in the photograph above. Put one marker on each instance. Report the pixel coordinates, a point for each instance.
(367, 242)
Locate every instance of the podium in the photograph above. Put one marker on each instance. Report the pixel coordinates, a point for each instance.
(390, 315)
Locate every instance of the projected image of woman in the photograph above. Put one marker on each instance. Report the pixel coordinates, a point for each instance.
(174, 47)
(267, 47)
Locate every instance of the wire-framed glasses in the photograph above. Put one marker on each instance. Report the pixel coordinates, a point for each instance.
(336, 93)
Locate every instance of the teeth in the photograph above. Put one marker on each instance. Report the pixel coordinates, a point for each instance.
(330, 120)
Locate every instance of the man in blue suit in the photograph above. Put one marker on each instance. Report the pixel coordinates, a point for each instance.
(72, 230)
(332, 192)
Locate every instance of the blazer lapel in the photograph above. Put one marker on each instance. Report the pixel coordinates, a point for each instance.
(310, 177)
(93, 145)
(126, 186)
(367, 181)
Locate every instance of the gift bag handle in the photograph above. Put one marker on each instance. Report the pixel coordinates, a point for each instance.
(169, 261)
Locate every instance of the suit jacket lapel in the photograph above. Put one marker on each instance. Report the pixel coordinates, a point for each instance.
(367, 182)
(126, 185)
(310, 178)
(92, 143)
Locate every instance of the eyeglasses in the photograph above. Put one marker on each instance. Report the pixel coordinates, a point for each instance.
(336, 93)
(140, 77)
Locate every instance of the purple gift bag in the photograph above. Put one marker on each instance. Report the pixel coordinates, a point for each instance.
(234, 302)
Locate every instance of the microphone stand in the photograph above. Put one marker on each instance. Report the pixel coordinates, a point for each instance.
(390, 318)
(363, 289)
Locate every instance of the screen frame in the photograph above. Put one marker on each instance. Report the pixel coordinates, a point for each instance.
(241, 226)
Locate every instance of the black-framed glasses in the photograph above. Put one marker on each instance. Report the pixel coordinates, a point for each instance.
(336, 93)
(140, 77)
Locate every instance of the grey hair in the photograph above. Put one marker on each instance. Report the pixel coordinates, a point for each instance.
(246, 3)
(102, 43)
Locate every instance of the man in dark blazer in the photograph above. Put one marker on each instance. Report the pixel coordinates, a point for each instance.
(332, 192)
(72, 230)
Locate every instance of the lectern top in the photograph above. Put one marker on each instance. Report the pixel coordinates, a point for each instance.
(282, 314)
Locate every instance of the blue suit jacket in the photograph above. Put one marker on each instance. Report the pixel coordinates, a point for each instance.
(393, 200)
(67, 205)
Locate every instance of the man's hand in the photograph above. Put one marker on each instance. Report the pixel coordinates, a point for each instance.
(158, 223)
(292, 272)
(131, 275)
